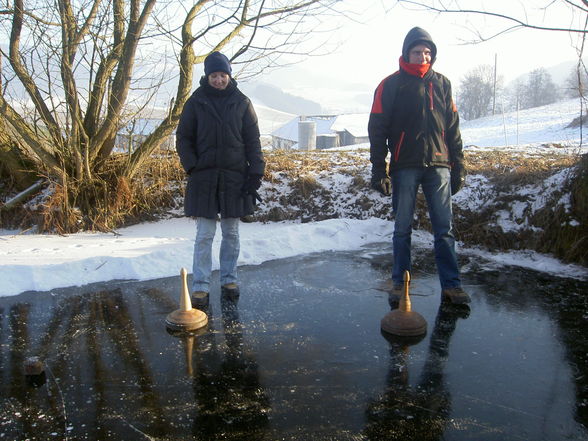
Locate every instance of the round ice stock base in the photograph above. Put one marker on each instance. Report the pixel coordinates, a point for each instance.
(186, 318)
(403, 321)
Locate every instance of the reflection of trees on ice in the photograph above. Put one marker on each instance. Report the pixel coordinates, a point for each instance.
(111, 374)
(422, 412)
(98, 349)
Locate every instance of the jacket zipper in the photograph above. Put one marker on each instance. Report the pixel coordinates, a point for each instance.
(444, 146)
(397, 148)
(430, 154)
(219, 131)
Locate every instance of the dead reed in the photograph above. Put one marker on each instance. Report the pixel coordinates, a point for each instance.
(312, 186)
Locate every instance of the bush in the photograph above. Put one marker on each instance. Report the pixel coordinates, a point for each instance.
(318, 185)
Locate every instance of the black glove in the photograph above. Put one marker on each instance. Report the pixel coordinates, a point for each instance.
(382, 185)
(251, 186)
(458, 175)
(252, 183)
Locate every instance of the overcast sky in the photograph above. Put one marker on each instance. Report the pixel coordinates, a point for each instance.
(366, 49)
(372, 44)
(378, 42)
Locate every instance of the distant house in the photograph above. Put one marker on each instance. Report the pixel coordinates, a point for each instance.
(287, 136)
(352, 128)
(321, 132)
(136, 131)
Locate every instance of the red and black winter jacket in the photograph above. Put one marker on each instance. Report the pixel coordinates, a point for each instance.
(414, 118)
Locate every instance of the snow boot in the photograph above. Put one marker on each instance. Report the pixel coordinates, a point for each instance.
(230, 290)
(456, 296)
(200, 299)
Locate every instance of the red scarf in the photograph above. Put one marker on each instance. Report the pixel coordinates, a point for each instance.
(418, 70)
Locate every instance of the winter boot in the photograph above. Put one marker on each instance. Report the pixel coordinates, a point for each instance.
(199, 299)
(230, 290)
(456, 296)
(394, 296)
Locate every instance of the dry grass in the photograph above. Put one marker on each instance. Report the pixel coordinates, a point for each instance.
(551, 229)
(295, 164)
(521, 168)
(566, 240)
(106, 202)
(312, 186)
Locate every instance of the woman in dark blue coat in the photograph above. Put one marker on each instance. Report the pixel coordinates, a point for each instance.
(218, 143)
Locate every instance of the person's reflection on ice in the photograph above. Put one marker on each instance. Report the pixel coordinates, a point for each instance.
(420, 412)
(231, 403)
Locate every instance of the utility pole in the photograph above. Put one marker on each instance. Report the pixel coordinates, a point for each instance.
(494, 91)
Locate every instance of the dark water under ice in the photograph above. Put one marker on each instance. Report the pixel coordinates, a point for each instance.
(301, 356)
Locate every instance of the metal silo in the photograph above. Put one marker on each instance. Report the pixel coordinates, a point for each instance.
(306, 135)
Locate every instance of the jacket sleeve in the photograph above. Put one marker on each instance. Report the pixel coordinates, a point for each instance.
(452, 132)
(186, 137)
(378, 129)
(255, 161)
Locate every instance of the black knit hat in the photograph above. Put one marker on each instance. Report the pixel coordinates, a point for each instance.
(418, 36)
(216, 62)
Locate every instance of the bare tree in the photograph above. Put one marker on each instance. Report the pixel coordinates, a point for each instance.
(78, 71)
(511, 22)
(577, 81)
(539, 90)
(517, 93)
(476, 92)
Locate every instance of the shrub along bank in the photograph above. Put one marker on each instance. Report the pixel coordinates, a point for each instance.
(512, 200)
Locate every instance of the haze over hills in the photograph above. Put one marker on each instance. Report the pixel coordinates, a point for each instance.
(276, 98)
(302, 92)
(296, 90)
(316, 92)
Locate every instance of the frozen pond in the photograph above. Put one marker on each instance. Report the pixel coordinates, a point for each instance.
(301, 357)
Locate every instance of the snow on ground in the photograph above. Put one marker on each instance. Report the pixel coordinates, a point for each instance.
(270, 119)
(529, 128)
(160, 249)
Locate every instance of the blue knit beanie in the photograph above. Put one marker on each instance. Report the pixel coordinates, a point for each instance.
(216, 62)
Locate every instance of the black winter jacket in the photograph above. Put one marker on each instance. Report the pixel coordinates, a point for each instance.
(415, 120)
(218, 151)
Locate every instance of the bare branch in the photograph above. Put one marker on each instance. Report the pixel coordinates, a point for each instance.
(244, 48)
(102, 143)
(518, 23)
(31, 15)
(20, 70)
(42, 151)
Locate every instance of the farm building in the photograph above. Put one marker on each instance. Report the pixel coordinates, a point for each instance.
(137, 130)
(321, 132)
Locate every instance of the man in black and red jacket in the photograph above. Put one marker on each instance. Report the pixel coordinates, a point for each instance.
(413, 118)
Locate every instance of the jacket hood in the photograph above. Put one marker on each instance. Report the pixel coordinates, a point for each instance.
(418, 36)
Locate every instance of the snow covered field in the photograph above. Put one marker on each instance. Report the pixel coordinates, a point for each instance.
(160, 249)
(526, 129)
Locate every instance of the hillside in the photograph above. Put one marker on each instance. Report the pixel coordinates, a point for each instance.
(530, 128)
(270, 119)
(528, 193)
(527, 196)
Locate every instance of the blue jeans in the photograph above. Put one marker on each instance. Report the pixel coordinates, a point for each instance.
(435, 182)
(229, 252)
